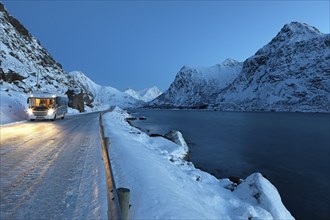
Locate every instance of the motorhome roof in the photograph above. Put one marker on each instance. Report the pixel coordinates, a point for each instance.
(47, 95)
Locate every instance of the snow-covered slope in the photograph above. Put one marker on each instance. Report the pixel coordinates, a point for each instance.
(24, 62)
(144, 95)
(194, 86)
(150, 93)
(291, 73)
(133, 93)
(13, 106)
(26, 66)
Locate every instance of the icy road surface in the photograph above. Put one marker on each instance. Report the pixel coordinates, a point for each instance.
(52, 170)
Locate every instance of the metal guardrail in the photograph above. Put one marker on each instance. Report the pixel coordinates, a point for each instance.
(118, 199)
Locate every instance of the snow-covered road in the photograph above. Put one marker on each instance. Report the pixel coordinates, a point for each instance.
(52, 170)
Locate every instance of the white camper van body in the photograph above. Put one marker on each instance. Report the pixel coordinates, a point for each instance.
(47, 106)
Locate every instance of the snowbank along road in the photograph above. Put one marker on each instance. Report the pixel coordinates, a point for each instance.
(52, 170)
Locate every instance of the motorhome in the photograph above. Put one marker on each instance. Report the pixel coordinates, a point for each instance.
(47, 106)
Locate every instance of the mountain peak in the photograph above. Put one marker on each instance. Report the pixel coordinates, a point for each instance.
(14, 22)
(296, 31)
(230, 62)
(298, 28)
(129, 90)
(290, 34)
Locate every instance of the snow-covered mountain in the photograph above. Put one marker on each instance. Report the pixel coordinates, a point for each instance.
(290, 73)
(24, 62)
(133, 93)
(150, 93)
(103, 96)
(26, 66)
(145, 95)
(194, 87)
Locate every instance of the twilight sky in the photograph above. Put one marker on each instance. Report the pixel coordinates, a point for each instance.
(139, 44)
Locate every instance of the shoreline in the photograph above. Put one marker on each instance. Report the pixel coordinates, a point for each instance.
(128, 120)
(157, 162)
(233, 111)
(225, 144)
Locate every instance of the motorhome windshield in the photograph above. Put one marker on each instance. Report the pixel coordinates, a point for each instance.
(44, 102)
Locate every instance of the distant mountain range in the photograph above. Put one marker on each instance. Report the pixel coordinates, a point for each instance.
(290, 73)
(26, 66)
(145, 95)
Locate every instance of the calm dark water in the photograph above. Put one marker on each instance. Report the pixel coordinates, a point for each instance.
(291, 149)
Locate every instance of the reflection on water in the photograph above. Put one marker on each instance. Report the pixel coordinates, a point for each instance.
(290, 149)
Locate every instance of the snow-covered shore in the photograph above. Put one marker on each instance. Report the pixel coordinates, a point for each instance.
(164, 186)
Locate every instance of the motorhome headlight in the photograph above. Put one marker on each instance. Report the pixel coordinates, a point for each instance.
(50, 111)
(30, 111)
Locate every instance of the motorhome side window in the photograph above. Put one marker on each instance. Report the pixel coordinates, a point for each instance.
(58, 101)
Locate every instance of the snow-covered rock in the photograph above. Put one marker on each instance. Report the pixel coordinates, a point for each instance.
(177, 137)
(290, 73)
(144, 95)
(194, 87)
(163, 186)
(257, 190)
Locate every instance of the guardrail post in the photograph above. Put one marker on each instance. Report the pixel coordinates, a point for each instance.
(102, 131)
(100, 119)
(123, 196)
(106, 142)
(101, 126)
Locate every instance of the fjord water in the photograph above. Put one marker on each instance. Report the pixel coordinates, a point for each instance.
(292, 150)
